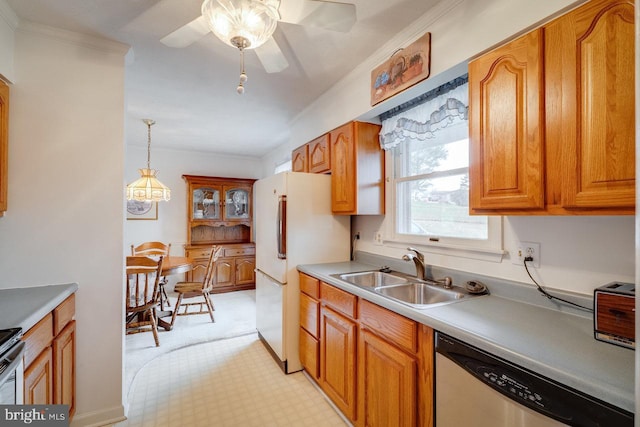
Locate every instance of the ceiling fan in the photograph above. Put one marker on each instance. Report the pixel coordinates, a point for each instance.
(249, 24)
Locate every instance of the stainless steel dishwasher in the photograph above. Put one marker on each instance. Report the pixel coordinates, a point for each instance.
(477, 389)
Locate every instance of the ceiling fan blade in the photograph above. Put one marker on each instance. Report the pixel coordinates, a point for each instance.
(333, 16)
(271, 56)
(187, 34)
(319, 13)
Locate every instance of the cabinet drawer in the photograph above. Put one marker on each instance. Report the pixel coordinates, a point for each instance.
(198, 253)
(310, 286)
(396, 328)
(309, 312)
(239, 251)
(37, 339)
(309, 354)
(338, 299)
(63, 314)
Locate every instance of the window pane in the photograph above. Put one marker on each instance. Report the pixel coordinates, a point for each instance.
(438, 207)
(422, 157)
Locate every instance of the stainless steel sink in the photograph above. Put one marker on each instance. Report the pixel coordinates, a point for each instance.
(373, 279)
(420, 295)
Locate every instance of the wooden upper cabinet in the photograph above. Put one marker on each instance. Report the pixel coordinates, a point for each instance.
(507, 125)
(552, 117)
(4, 145)
(313, 156)
(357, 170)
(320, 155)
(300, 159)
(590, 76)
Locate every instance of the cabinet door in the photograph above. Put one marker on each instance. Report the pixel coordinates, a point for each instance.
(300, 159)
(309, 354)
(591, 52)
(507, 126)
(205, 202)
(38, 380)
(343, 170)
(320, 155)
(338, 360)
(387, 378)
(245, 271)
(199, 268)
(237, 203)
(4, 143)
(64, 361)
(225, 272)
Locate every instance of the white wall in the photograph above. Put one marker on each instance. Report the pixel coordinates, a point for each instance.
(577, 253)
(171, 226)
(8, 24)
(65, 204)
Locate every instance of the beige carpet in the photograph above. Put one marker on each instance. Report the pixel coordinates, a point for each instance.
(234, 316)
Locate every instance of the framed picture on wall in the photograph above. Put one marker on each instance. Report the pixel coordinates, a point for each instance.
(142, 210)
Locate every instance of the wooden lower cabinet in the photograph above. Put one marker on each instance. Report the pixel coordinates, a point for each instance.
(245, 271)
(50, 360)
(234, 270)
(310, 354)
(64, 362)
(387, 383)
(375, 365)
(338, 360)
(38, 380)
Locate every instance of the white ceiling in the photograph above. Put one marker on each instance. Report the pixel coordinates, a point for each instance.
(191, 92)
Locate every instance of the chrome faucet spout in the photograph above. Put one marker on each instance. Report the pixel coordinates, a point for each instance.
(418, 260)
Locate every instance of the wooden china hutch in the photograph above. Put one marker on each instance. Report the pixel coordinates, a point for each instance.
(220, 212)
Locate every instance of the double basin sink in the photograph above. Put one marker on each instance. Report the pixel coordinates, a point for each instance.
(405, 289)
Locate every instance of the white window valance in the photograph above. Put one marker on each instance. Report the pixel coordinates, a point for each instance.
(443, 112)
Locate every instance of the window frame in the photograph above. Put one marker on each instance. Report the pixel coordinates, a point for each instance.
(488, 250)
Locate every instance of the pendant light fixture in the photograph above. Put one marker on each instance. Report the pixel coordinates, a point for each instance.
(147, 188)
(243, 24)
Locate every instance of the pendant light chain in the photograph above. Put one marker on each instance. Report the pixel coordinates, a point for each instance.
(149, 123)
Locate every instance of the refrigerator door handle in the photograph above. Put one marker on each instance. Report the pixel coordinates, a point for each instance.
(282, 227)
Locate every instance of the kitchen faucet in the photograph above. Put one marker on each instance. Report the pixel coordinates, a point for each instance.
(418, 260)
(421, 273)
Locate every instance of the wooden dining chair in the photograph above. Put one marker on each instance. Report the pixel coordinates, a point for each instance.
(155, 249)
(142, 291)
(200, 290)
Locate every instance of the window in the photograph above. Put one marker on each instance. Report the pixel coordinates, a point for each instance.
(283, 167)
(428, 189)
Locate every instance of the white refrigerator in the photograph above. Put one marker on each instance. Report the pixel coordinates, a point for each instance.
(293, 225)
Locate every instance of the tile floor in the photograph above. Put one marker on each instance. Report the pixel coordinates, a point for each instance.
(228, 382)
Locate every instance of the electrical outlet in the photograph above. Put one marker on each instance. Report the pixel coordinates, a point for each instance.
(357, 235)
(527, 249)
(378, 238)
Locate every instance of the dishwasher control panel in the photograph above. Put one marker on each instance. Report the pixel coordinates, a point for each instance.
(499, 378)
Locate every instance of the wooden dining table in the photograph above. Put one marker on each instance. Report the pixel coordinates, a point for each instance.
(172, 265)
(176, 265)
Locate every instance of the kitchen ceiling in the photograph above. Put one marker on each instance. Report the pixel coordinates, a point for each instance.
(191, 92)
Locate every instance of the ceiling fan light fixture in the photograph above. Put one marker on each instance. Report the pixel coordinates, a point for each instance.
(251, 20)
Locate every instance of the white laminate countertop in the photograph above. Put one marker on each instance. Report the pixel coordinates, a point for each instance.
(24, 307)
(557, 345)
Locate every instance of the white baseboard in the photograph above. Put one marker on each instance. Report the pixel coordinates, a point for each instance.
(105, 417)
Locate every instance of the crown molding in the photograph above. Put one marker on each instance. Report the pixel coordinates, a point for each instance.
(73, 38)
